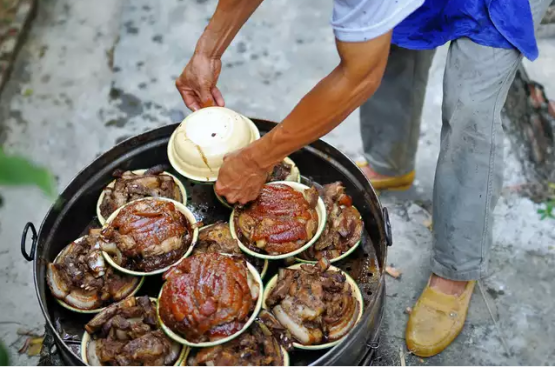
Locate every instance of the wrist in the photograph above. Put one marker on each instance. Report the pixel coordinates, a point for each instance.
(259, 154)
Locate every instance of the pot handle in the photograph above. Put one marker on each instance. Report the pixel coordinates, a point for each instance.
(387, 226)
(29, 257)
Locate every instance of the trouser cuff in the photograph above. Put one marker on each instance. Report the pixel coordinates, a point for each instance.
(454, 275)
(382, 169)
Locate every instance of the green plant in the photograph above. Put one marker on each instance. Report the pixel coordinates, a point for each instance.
(17, 170)
(548, 210)
(4, 356)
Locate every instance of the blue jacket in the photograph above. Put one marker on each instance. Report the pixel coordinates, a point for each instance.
(496, 23)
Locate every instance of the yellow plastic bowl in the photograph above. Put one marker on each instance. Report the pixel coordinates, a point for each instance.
(87, 337)
(197, 147)
(321, 213)
(97, 310)
(356, 292)
(180, 207)
(174, 336)
(101, 218)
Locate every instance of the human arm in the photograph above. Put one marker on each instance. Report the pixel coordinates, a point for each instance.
(352, 82)
(197, 83)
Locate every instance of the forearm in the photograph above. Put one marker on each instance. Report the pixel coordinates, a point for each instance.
(324, 107)
(227, 20)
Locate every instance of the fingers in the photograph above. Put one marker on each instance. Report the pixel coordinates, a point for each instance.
(206, 98)
(218, 96)
(190, 100)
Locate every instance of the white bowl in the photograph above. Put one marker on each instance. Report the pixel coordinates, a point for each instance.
(174, 336)
(87, 337)
(197, 147)
(285, 357)
(356, 292)
(180, 207)
(265, 264)
(340, 257)
(97, 310)
(321, 214)
(295, 176)
(101, 218)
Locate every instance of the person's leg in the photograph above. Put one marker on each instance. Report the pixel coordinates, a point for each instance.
(390, 119)
(467, 185)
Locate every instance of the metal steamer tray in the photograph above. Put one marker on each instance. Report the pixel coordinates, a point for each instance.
(319, 163)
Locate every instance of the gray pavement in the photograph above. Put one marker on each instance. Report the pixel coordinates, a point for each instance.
(103, 71)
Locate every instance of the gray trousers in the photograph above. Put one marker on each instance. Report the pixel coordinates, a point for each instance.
(468, 177)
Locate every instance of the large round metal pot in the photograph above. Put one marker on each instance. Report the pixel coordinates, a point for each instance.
(319, 162)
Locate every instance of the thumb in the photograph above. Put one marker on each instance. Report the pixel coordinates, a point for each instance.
(206, 98)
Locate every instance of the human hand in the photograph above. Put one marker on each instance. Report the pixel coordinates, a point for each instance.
(240, 178)
(197, 82)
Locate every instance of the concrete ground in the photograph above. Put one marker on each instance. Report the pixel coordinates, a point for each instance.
(102, 71)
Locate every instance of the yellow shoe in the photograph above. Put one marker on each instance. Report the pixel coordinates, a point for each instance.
(436, 320)
(380, 182)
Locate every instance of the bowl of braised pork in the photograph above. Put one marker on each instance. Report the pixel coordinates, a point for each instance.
(259, 345)
(285, 220)
(148, 236)
(82, 281)
(128, 333)
(343, 230)
(317, 303)
(135, 184)
(209, 299)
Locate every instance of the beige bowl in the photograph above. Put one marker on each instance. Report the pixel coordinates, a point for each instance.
(96, 310)
(180, 207)
(176, 337)
(101, 218)
(321, 213)
(87, 337)
(197, 147)
(356, 292)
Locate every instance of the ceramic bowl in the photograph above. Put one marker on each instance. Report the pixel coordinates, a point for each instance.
(285, 357)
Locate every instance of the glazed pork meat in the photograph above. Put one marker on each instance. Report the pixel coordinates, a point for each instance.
(129, 187)
(208, 296)
(217, 238)
(279, 221)
(343, 225)
(315, 304)
(255, 347)
(128, 333)
(82, 279)
(147, 235)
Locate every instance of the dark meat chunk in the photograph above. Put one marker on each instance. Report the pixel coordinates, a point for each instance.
(255, 347)
(126, 334)
(129, 187)
(280, 172)
(147, 235)
(344, 225)
(208, 296)
(279, 221)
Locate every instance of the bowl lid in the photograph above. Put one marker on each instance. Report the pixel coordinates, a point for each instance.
(198, 146)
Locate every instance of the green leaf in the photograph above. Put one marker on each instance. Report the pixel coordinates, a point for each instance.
(28, 92)
(17, 170)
